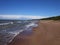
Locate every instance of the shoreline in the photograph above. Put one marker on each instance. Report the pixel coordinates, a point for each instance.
(22, 35)
(14, 31)
(47, 33)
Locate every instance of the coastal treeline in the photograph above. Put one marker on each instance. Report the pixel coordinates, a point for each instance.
(52, 18)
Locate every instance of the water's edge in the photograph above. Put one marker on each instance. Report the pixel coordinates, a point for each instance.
(12, 33)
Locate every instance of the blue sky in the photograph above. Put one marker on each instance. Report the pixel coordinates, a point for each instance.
(30, 7)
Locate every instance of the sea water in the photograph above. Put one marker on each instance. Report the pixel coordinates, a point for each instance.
(8, 34)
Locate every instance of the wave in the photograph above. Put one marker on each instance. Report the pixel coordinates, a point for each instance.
(7, 35)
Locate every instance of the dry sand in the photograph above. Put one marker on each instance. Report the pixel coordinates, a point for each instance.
(47, 33)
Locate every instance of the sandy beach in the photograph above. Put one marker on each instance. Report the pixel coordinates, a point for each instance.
(47, 33)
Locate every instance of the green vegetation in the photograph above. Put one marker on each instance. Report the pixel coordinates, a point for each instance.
(52, 18)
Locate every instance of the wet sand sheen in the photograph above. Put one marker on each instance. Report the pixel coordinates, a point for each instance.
(47, 33)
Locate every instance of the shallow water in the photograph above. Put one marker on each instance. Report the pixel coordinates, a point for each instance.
(8, 34)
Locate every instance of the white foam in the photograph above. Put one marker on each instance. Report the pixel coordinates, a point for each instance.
(16, 32)
(6, 23)
(31, 24)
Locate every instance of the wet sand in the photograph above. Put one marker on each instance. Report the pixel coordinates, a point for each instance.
(47, 33)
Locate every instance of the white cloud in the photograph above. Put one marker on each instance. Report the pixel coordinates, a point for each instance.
(20, 16)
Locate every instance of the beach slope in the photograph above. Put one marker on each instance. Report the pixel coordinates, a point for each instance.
(47, 33)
